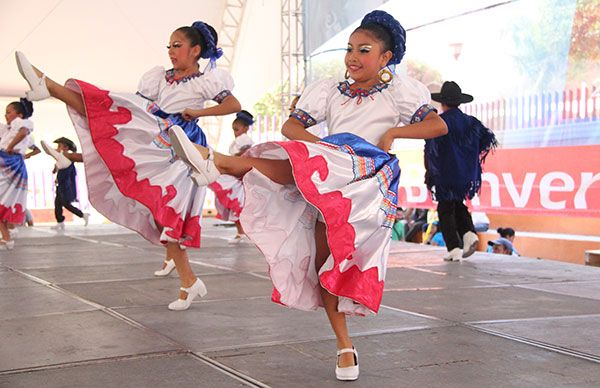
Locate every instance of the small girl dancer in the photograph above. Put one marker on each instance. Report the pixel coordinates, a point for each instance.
(229, 191)
(14, 144)
(321, 210)
(133, 177)
(66, 185)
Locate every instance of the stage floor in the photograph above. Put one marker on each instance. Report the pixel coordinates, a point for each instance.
(82, 308)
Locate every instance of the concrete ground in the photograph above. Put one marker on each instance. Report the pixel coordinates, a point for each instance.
(83, 309)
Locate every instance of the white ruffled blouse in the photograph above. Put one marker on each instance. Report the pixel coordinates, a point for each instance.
(193, 91)
(368, 114)
(11, 130)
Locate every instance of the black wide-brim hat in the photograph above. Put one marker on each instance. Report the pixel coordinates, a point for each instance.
(67, 142)
(451, 94)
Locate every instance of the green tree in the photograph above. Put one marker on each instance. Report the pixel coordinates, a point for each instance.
(584, 54)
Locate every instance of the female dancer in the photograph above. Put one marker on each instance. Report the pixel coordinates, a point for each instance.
(133, 178)
(14, 143)
(321, 210)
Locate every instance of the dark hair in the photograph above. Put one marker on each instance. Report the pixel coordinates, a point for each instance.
(24, 107)
(506, 232)
(197, 39)
(244, 117)
(380, 33)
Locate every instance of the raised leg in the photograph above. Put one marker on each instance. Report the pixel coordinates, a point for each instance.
(279, 171)
(56, 90)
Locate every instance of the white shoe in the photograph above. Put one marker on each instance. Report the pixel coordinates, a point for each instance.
(197, 289)
(86, 219)
(470, 243)
(204, 171)
(62, 161)
(169, 267)
(39, 90)
(58, 226)
(454, 255)
(235, 239)
(348, 373)
(239, 239)
(9, 245)
(13, 233)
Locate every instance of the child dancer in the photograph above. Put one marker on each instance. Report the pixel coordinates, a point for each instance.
(14, 144)
(66, 185)
(229, 191)
(453, 170)
(133, 177)
(321, 210)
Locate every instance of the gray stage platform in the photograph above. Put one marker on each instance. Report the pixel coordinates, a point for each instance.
(82, 309)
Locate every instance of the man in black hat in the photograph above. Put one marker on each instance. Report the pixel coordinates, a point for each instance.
(453, 169)
(66, 184)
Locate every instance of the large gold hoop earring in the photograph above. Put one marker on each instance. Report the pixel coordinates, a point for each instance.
(385, 75)
(346, 75)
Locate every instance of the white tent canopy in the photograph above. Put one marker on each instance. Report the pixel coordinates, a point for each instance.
(110, 43)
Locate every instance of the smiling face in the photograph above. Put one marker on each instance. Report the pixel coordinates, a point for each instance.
(365, 57)
(11, 114)
(183, 55)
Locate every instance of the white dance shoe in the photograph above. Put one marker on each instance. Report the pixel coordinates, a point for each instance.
(454, 255)
(86, 219)
(470, 243)
(8, 245)
(197, 289)
(39, 90)
(239, 239)
(62, 161)
(348, 373)
(204, 171)
(60, 226)
(169, 267)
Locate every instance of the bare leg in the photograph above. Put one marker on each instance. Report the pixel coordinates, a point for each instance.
(279, 171)
(64, 94)
(240, 230)
(4, 231)
(182, 265)
(336, 319)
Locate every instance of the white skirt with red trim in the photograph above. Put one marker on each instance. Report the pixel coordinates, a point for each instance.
(349, 184)
(229, 197)
(13, 188)
(133, 177)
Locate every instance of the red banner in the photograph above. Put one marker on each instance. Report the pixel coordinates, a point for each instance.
(546, 181)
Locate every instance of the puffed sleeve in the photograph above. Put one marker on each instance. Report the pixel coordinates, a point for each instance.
(149, 83)
(19, 123)
(215, 85)
(311, 108)
(412, 99)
